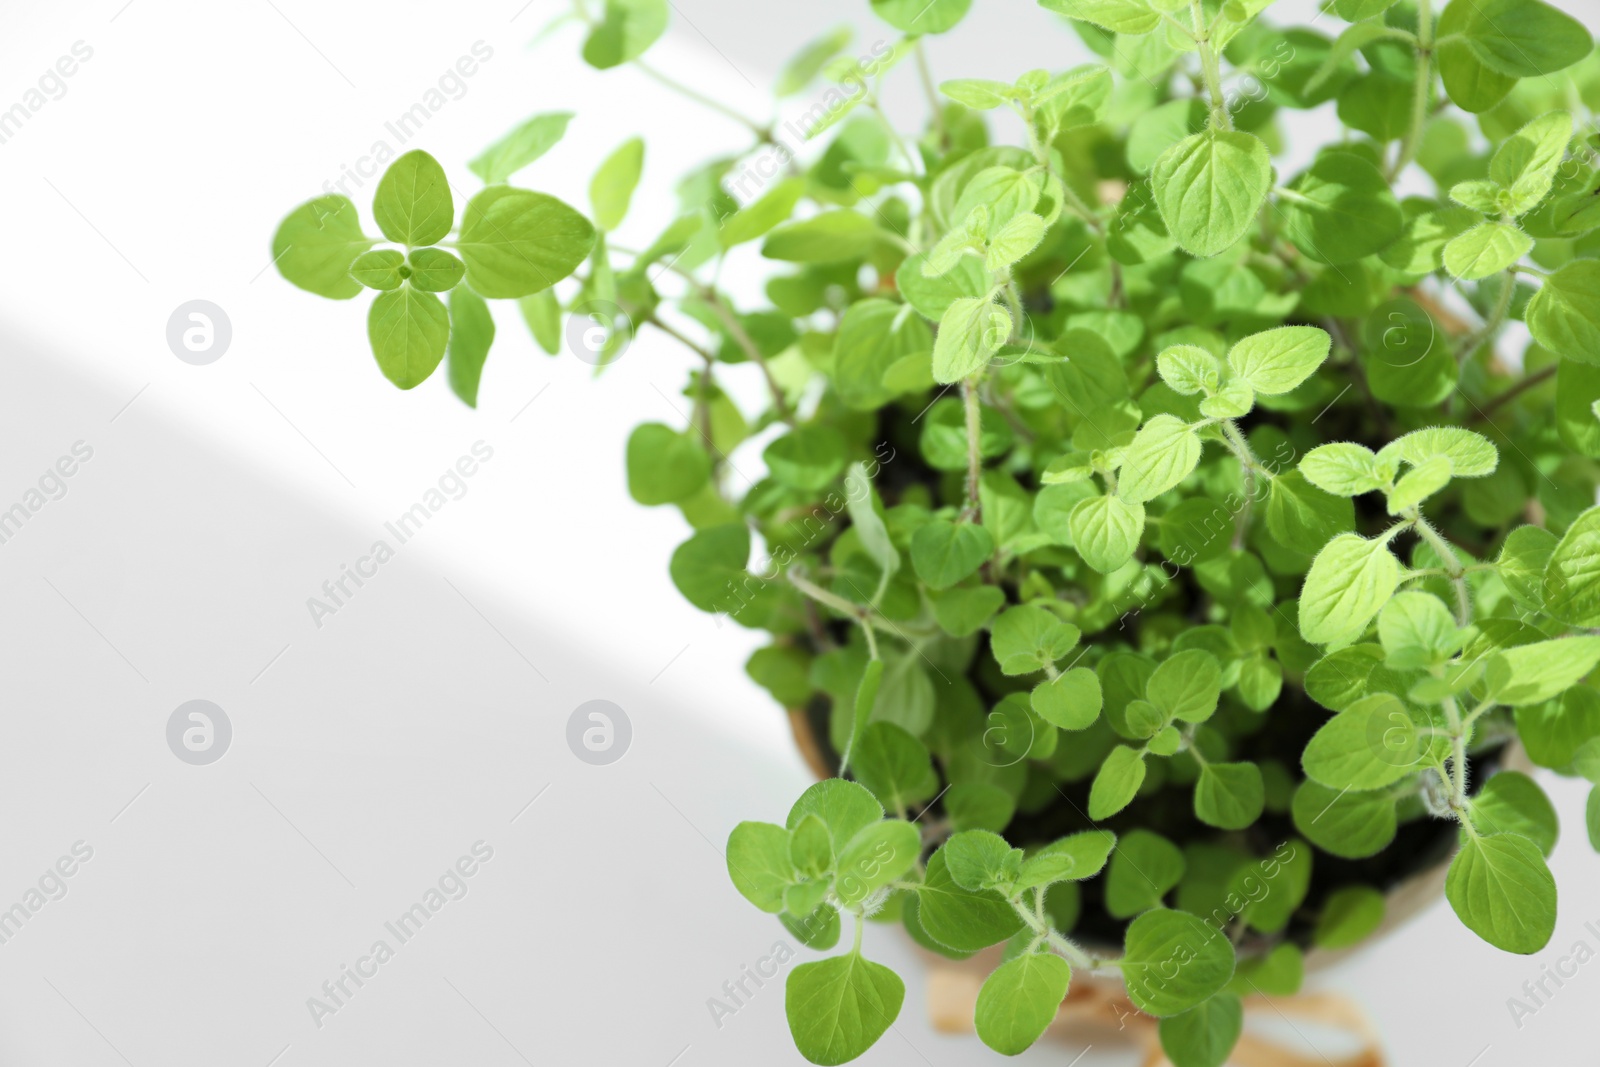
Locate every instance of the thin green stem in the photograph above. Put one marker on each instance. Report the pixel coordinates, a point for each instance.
(1249, 465)
(1537, 378)
(1497, 318)
(1452, 564)
(925, 75)
(1419, 90)
(1458, 763)
(1478, 712)
(753, 352)
(1064, 947)
(969, 397)
(763, 132)
(1081, 209)
(866, 616)
(1210, 68)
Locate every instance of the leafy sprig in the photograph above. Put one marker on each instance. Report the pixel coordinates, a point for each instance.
(1097, 467)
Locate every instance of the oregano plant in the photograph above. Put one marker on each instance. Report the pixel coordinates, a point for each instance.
(1166, 550)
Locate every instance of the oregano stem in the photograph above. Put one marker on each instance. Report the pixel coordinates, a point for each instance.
(1064, 947)
(1458, 759)
(742, 338)
(1537, 378)
(866, 616)
(969, 397)
(761, 132)
(1452, 564)
(1419, 90)
(1249, 465)
(925, 75)
(1210, 69)
(1497, 316)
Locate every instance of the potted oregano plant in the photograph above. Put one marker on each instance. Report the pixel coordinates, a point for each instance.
(1164, 556)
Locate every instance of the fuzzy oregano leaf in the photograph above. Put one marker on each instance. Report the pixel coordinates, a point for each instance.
(1106, 530)
(1349, 581)
(759, 864)
(970, 333)
(409, 330)
(959, 918)
(1117, 782)
(921, 16)
(1210, 186)
(1173, 961)
(1570, 584)
(1162, 454)
(1203, 1036)
(1564, 315)
(1501, 889)
(839, 1007)
(1277, 361)
(625, 32)
(1019, 999)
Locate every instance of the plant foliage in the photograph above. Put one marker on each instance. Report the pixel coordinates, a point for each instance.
(1152, 533)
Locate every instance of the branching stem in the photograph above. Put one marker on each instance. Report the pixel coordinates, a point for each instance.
(752, 352)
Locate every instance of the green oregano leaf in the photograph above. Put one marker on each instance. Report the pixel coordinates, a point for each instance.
(839, 1007)
(471, 336)
(1162, 454)
(316, 245)
(1351, 578)
(1564, 315)
(970, 333)
(1210, 186)
(944, 552)
(1204, 1035)
(1229, 796)
(759, 863)
(1106, 530)
(1501, 889)
(515, 242)
(1018, 1001)
(413, 204)
(1117, 782)
(530, 140)
(1349, 916)
(1173, 961)
(409, 330)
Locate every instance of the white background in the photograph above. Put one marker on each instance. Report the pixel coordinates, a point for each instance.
(370, 753)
